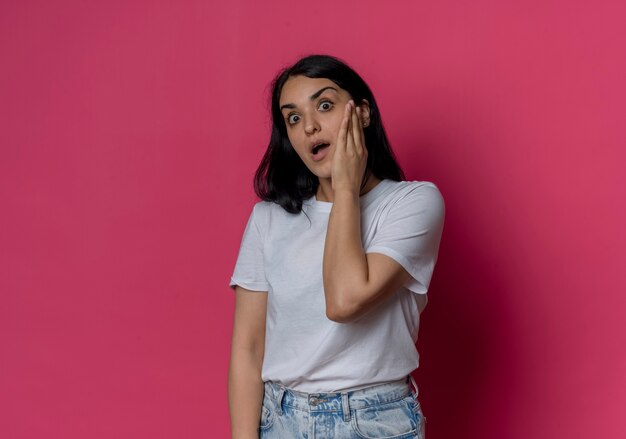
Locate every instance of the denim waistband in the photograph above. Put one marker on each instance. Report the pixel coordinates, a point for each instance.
(337, 401)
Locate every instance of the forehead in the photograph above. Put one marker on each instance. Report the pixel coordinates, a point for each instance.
(298, 89)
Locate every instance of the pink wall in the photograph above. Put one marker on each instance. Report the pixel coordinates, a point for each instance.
(129, 133)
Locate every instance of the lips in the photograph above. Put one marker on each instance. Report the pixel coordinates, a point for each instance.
(319, 146)
(319, 151)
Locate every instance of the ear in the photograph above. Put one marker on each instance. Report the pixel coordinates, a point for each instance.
(365, 108)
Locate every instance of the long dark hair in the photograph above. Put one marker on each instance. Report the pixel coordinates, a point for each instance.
(282, 177)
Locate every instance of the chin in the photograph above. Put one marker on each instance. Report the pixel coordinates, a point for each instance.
(321, 171)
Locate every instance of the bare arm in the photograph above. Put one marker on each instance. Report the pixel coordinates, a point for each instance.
(354, 282)
(245, 386)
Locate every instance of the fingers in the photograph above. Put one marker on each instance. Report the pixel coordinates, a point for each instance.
(351, 145)
(351, 136)
(350, 156)
(356, 134)
(342, 137)
(357, 124)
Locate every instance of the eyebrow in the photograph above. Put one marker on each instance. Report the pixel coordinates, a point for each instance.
(312, 97)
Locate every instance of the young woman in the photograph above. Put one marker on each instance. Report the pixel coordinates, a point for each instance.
(333, 270)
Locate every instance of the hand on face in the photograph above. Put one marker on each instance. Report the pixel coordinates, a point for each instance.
(350, 156)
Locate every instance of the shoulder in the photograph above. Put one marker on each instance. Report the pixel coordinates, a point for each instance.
(413, 204)
(269, 208)
(261, 211)
(265, 213)
(261, 208)
(415, 193)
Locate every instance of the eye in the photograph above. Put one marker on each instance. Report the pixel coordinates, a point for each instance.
(292, 118)
(326, 105)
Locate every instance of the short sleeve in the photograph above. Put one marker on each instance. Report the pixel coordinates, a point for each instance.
(411, 232)
(249, 272)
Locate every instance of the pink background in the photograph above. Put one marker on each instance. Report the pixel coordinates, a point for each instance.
(130, 131)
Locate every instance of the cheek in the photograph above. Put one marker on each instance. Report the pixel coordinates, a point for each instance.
(335, 124)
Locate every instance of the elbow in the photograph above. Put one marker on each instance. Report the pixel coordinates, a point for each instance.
(339, 317)
(341, 313)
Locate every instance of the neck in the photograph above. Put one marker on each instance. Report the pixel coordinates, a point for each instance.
(325, 189)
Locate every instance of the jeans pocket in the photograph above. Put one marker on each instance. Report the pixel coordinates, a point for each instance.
(420, 419)
(267, 413)
(389, 421)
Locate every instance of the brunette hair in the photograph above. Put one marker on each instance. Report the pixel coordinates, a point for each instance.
(282, 177)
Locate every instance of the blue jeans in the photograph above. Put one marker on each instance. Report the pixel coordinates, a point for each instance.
(389, 411)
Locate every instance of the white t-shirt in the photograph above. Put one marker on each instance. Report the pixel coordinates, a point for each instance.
(282, 253)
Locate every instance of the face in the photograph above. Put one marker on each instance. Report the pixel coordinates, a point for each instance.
(313, 110)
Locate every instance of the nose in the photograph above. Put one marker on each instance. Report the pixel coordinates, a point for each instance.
(311, 125)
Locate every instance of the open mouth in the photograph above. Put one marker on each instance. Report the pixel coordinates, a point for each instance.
(319, 147)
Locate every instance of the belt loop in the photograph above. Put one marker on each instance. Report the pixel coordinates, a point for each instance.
(279, 400)
(414, 385)
(345, 406)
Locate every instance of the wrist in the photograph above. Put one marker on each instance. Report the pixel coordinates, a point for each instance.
(344, 194)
